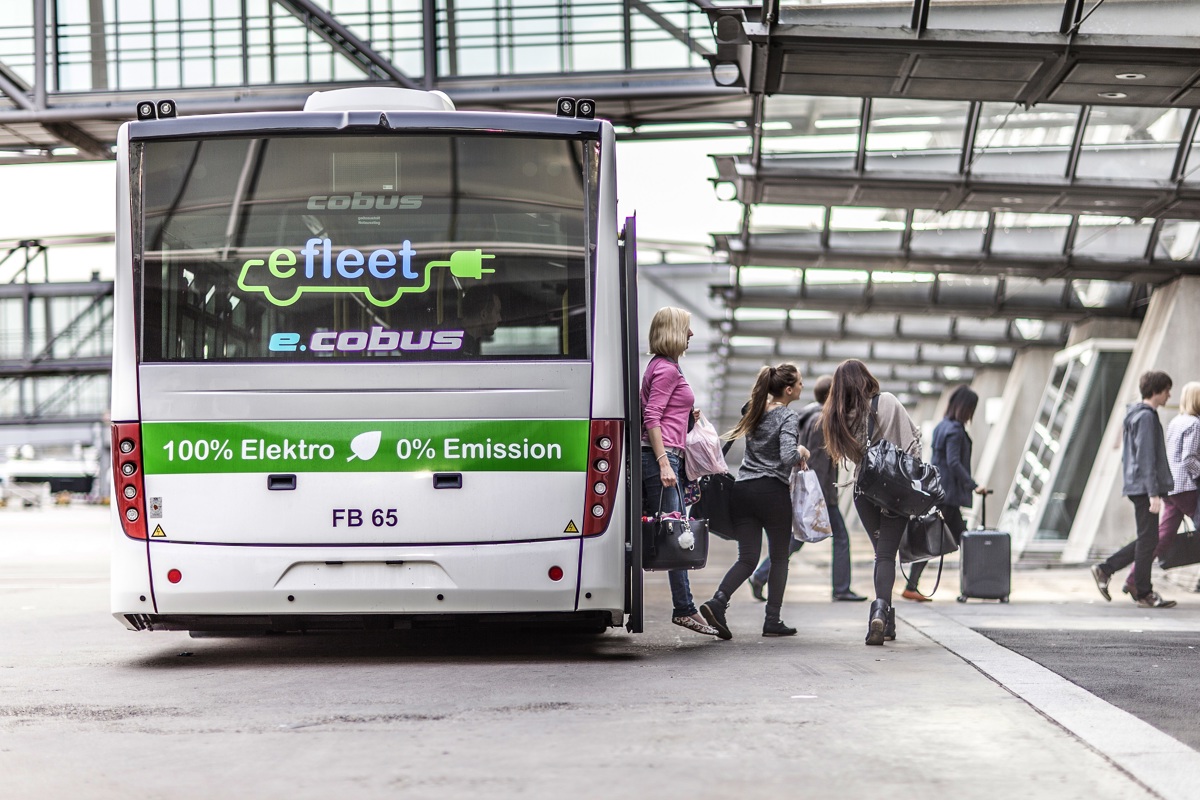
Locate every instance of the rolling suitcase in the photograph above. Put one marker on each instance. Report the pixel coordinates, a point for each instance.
(985, 566)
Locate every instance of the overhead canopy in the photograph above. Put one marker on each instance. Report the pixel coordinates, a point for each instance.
(935, 172)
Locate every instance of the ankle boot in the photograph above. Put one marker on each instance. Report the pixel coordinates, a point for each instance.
(713, 612)
(774, 626)
(877, 622)
(889, 629)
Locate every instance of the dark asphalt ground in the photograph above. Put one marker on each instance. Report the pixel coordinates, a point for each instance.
(1154, 676)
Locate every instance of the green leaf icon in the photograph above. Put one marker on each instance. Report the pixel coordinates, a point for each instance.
(365, 445)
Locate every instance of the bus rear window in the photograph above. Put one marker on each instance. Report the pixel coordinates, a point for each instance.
(409, 247)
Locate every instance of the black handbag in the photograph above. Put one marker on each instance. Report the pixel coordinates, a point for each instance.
(666, 545)
(716, 504)
(894, 480)
(1183, 550)
(926, 538)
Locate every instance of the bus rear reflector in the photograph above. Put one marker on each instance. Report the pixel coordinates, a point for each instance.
(604, 459)
(127, 477)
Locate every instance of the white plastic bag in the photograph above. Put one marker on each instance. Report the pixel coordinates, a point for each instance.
(704, 456)
(810, 517)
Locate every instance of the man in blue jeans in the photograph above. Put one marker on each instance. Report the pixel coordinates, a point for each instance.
(1147, 480)
(819, 462)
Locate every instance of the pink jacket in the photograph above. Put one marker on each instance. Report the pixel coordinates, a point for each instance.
(667, 401)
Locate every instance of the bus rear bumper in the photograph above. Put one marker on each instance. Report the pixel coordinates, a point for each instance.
(217, 587)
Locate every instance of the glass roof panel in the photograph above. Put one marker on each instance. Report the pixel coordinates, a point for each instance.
(759, 314)
(1132, 17)
(1030, 234)
(802, 124)
(976, 329)
(1011, 140)
(952, 232)
(1101, 294)
(1191, 173)
(800, 348)
(1179, 240)
(769, 276)
(1033, 292)
(882, 326)
(1112, 237)
(866, 228)
(1122, 142)
(972, 289)
(991, 15)
(944, 353)
(772, 218)
(934, 127)
(926, 326)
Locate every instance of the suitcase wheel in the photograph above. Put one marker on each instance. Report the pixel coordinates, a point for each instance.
(962, 598)
(1004, 599)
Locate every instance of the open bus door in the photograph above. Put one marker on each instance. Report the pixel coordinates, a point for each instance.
(633, 427)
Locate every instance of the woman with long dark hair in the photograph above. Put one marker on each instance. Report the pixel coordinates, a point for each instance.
(761, 499)
(952, 457)
(667, 402)
(848, 410)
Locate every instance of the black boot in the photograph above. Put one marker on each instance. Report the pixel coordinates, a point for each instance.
(774, 626)
(713, 612)
(877, 622)
(889, 630)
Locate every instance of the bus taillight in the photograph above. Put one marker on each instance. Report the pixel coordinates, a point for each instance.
(604, 459)
(127, 477)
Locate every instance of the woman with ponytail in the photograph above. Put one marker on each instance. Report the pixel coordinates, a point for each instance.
(848, 413)
(761, 499)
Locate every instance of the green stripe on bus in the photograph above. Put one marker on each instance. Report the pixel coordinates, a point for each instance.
(176, 448)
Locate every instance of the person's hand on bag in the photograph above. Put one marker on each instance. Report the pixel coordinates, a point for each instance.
(802, 464)
(665, 474)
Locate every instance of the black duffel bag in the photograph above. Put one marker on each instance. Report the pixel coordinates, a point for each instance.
(894, 480)
(716, 504)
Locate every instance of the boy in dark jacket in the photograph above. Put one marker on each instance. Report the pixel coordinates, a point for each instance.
(1147, 480)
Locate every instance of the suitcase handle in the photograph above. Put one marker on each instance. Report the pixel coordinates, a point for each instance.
(983, 508)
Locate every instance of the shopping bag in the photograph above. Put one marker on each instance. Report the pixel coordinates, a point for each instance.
(810, 517)
(703, 449)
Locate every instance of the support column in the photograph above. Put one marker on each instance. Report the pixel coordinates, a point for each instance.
(1008, 416)
(1165, 342)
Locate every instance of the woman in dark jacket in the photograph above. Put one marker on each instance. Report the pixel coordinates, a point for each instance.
(952, 457)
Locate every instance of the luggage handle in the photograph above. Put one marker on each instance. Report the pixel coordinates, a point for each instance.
(983, 509)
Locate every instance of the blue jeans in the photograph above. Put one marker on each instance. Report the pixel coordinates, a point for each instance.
(672, 500)
(841, 553)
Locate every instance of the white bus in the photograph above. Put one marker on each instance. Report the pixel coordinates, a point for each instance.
(373, 367)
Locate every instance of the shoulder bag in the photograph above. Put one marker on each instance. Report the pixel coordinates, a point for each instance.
(894, 480)
(670, 544)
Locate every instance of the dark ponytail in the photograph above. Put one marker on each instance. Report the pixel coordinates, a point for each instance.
(771, 382)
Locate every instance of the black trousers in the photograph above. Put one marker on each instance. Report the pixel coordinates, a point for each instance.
(1139, 552)
(761, 504)
(956, 526)
(885, 531)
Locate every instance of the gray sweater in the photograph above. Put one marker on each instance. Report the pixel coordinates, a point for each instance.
(771, 448)
(1144, 459)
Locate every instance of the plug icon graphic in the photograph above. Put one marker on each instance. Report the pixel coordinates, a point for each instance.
(466, 264)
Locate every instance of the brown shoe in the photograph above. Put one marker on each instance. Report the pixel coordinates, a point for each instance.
(914, 595)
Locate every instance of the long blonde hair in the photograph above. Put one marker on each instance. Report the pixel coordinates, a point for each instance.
(771, 382)
(1189, 400)
(669, 332)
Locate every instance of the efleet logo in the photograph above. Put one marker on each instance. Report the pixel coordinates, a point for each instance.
(291, 282)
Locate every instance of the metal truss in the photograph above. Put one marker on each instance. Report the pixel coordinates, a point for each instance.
(643, 61)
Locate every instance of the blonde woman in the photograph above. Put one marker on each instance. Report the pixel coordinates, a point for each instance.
(667, 402)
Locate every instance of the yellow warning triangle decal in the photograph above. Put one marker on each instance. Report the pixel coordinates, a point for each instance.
(571, 527)
(159, 533)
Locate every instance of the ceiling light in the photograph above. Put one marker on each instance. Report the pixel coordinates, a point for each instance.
(1130, 76)
(1112, 95)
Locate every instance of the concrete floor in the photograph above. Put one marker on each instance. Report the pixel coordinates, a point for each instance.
(88, 709)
